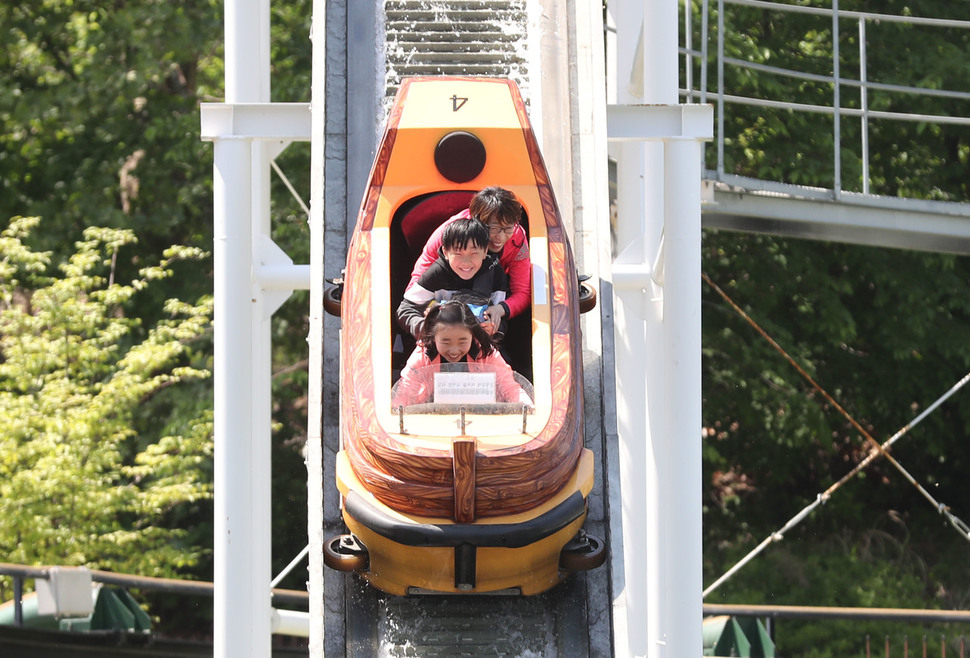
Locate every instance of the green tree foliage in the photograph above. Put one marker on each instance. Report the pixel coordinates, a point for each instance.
(884, 333)
(99, 126)
(99, 121)
(870, 568)
(78, 484)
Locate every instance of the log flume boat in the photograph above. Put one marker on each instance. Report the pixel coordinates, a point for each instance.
(467, 494)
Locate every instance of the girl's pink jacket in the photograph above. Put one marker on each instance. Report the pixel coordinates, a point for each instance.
(416, 385)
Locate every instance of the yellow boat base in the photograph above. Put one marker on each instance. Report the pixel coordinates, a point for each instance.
(526, 553)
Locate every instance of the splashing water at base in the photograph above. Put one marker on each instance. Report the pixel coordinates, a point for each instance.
(472, 626)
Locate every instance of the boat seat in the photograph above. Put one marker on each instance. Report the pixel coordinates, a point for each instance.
(427, 214)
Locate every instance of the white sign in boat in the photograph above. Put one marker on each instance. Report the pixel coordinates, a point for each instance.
(464, 388)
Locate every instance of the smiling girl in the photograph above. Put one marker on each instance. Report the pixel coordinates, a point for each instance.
(453, 334)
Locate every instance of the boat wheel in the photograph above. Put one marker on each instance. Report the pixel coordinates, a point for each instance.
(583, 553)
(587, 295)
(332, 296)
(345, 553)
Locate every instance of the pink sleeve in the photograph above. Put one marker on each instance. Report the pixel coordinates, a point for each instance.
(428, 256)
(413, 386)
(508, 389)
(517, 263)
(430, 252)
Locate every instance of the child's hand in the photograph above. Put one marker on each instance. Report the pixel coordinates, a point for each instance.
(494, 315)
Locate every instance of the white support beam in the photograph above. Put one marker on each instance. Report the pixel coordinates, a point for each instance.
(291, 622)
(314, 443)
(240, 130)
(680, 472)
(637, 226)
(238, 629)
(283, 277)
(256, 121)
(628, 123)
(658, 197)
(855, 218)
(658, 394)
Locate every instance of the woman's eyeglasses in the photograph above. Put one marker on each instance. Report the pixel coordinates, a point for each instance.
(494, 229)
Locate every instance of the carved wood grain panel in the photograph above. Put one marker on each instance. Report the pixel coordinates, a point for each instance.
(464, 469)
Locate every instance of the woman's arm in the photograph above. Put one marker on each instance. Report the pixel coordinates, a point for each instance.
(517, 263)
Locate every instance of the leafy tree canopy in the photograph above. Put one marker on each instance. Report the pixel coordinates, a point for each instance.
(884, 333)
(78, 484)
(99, 126)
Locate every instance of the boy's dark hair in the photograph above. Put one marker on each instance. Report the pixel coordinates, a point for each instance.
(464, 232)
(496, 203)
(455, 312)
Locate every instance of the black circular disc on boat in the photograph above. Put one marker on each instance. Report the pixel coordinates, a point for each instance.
(459, 156)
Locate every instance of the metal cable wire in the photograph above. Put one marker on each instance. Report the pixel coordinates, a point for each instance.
(878, 450)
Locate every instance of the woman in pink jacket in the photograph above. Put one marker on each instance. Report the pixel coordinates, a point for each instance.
(501, 212)
(452, 334)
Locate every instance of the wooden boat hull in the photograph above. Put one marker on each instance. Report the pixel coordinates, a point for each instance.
(417, 493)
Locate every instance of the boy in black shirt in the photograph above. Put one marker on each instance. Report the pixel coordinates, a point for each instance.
(464, 270)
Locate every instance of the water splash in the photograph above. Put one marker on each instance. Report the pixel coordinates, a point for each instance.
(469, 625)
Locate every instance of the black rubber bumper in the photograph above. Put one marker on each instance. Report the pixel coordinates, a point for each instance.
(497, 535)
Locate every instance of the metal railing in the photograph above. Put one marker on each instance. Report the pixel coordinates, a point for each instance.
(849, 71)
(20, 572)
(875, 648)
(899, 644)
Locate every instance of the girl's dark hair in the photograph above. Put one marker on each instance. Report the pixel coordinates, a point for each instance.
(462, 232)
(455, 312)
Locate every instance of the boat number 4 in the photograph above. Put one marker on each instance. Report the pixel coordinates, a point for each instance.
(457, 103)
